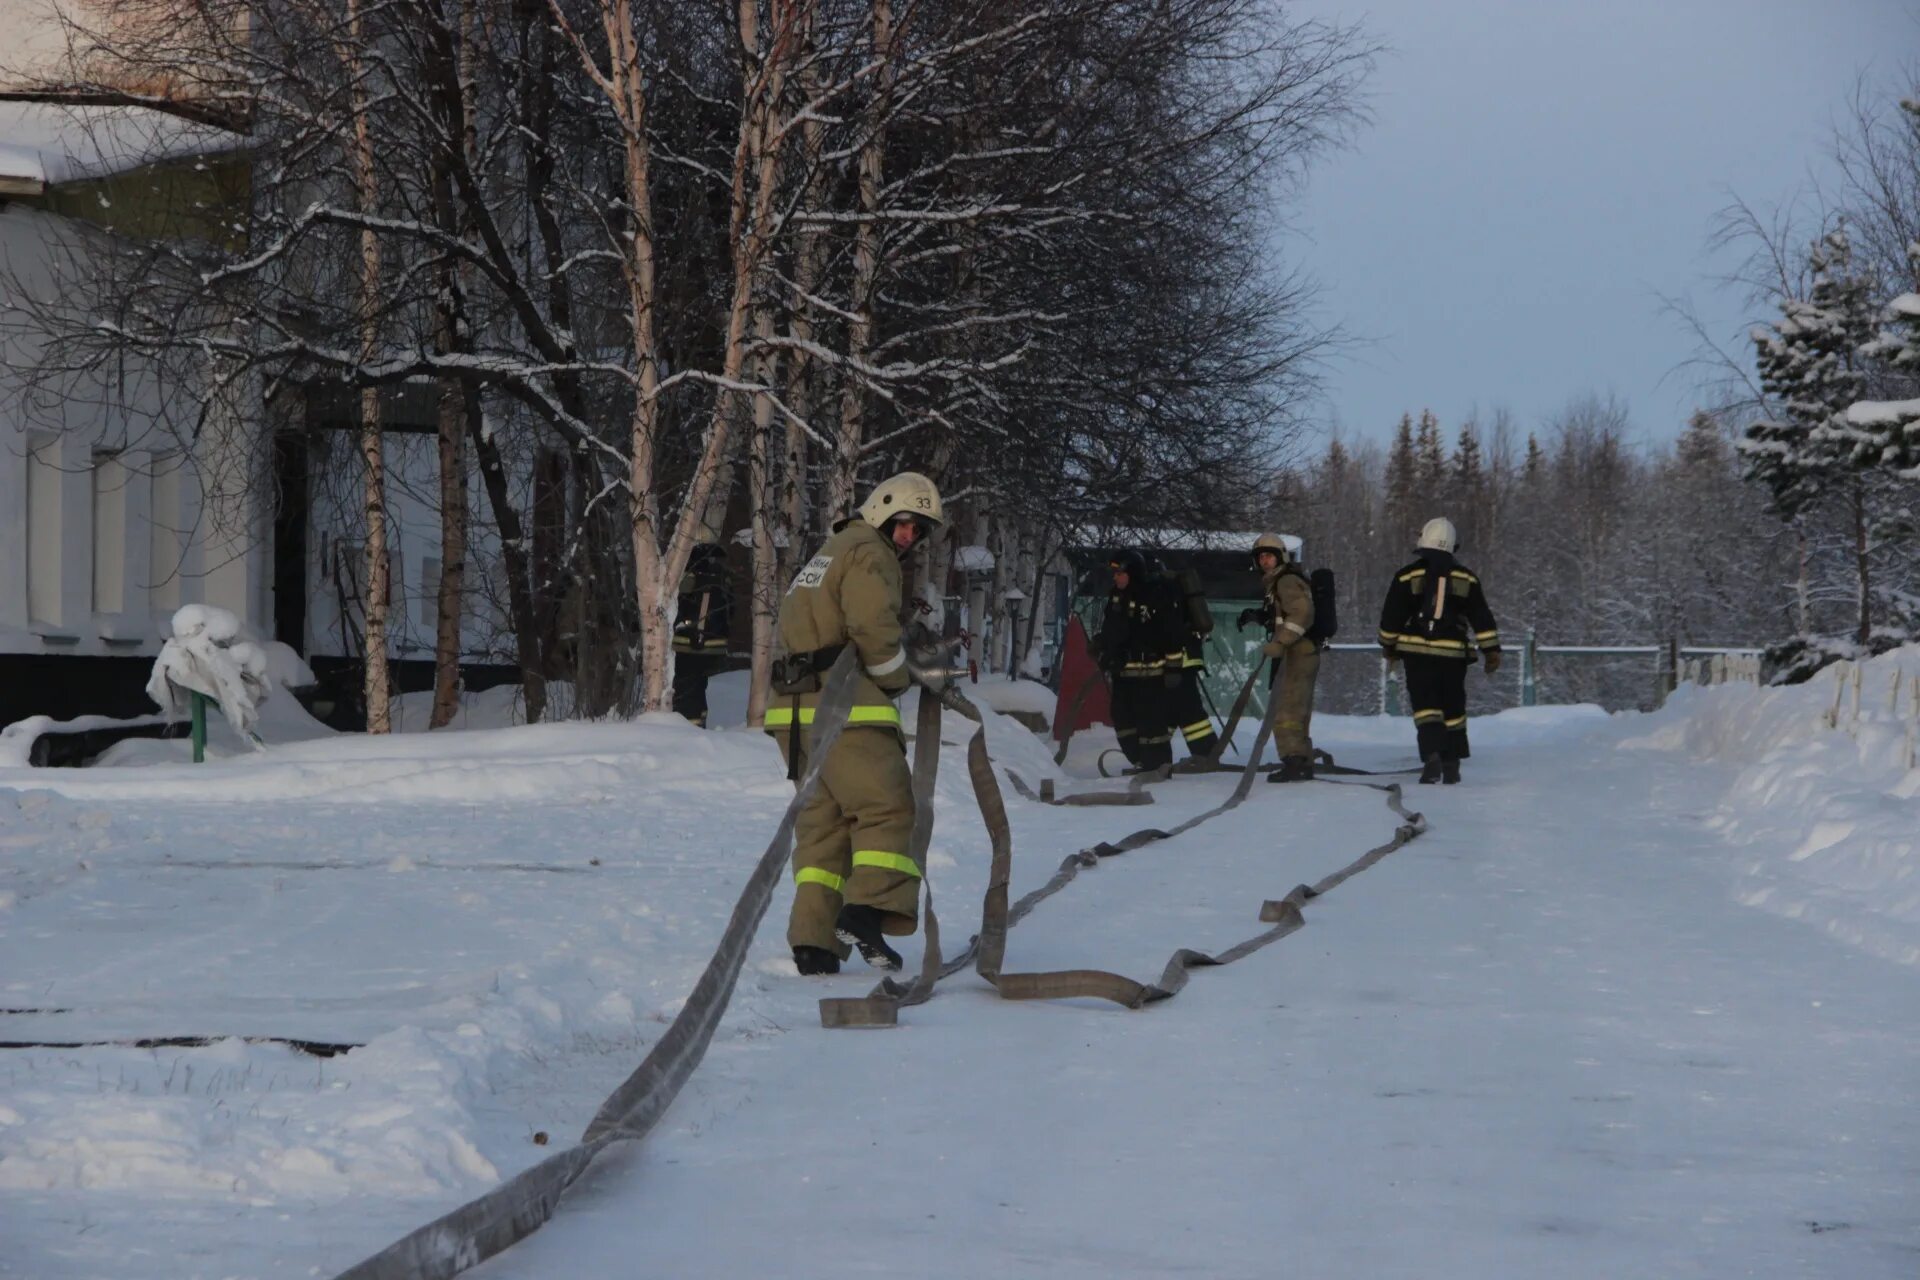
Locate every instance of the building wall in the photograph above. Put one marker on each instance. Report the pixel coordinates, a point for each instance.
(105, 528)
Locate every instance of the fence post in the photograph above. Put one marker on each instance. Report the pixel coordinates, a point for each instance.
(1529, 694)
(1669, 680)
(198, 701)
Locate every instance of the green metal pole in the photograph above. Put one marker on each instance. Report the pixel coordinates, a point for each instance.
(198, 701)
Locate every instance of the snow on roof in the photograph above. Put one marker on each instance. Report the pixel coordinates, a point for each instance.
(1169, 539)
(973, 559)
(51, 143)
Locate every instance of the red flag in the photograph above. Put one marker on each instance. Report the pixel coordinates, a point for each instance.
(1076, 670)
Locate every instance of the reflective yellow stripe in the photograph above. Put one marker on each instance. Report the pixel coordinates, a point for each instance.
(1488, 639)
(1428, 717)
(1198, 730)
(781, 717)
(1454, 722)
(814, 875)
(890, 861)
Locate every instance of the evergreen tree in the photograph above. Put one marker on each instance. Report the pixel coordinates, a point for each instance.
(1430, 460)
(1403, 486)
(1810, 370)
(1469, 487)
(1886, 433)
(1702, 447)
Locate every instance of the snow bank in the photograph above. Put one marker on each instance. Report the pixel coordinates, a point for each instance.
(1003, 693)
(1824, 793)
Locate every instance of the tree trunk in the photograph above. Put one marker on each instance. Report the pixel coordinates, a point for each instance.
(372, 447)
(1862, 561)
(515, 563)
(453, 551)
(764, 592)
(861, 296)
(802, 370)
(452, 422)
(756, 160)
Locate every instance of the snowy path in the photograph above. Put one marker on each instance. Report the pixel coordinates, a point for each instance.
(1544, 1040)
(1541, 1041)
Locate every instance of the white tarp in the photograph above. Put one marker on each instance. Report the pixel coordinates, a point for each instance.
(208, 655)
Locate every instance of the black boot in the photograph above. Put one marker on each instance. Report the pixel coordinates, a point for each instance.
(859, 926)
(1293, 769)
(1449, 770)
(1430, 768)
(812, 962)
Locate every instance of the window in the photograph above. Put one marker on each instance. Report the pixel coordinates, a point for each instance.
(427, 603)
(43, 529)
(166, 541)
(110, 480)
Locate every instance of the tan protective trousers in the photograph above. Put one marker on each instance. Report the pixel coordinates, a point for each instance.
(1292, 701)
(850, 840)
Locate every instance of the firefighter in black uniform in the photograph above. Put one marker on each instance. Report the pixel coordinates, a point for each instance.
(1191, 622)
(1135, 645)
(700, 630)
(1434, 619)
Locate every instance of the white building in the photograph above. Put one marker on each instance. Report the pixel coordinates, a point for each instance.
(109, 522)
(104, 529)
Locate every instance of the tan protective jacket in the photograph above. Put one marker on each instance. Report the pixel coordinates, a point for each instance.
(849, 593)
(1290, 601)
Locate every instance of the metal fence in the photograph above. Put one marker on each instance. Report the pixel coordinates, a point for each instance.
(1355, 680)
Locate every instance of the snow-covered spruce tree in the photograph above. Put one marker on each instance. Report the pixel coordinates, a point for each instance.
(1811, 370)
(1884, 434)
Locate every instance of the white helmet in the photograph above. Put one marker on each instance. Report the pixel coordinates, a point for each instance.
(908, 493)
(1438, 534)
(1284, 545)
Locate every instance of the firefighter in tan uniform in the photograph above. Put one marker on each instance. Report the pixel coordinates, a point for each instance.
(1288, 614)
(854, 881)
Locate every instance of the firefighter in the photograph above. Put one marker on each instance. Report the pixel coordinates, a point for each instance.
(1191, 623)
(1434, 618)
(1288, 615)
(1136, 646)
(854, 881)
(700, 630)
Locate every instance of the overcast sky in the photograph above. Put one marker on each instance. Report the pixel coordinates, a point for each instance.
(1539, 170)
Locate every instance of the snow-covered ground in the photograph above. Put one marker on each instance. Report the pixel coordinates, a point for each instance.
(1645, 1001)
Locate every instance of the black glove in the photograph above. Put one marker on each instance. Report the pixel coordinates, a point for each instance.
(1248, 617)
(1492, 657)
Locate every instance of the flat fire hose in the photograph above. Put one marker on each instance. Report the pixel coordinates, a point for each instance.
(468, 1235)
(516, 1208)
(987, 951)
(1208, 764)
